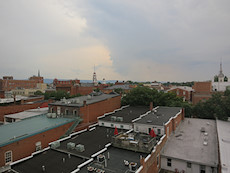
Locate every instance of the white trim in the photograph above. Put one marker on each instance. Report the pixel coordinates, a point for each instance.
(107, 145)
(147, 158)
(139, 169)
(85, 163)
(75, 133)
(93, 125)
(92, 129)
(76, 170)
(99, 152)
(129, 131)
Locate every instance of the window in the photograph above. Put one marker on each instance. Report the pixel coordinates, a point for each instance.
(67, 112)
(75, 112)
(8, 157)
(38, 146)
(202, 169)
(112, 125)
(158, 131)
(183, 92)
(189, 165)
(158, 160)
(169, 162)
(102, 124)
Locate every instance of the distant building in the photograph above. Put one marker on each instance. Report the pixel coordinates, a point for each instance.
(182, 91)
(87, 107)
(192, 148)
(156, 85)
(8, 83)
(202, 91)
(220, 82)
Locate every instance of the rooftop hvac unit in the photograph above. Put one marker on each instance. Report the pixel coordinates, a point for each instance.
(202, 129)
(100, 158)
(132, 167)
(113, 118)
(80, 148)
(89, 97)
(54, 115)
(70, 145)
(120, 119)
(55, 144)
(49, 115)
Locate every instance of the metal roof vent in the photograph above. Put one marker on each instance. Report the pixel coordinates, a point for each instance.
(202, 129)
(132, 167)
(205, 143)
(149, 121)
(89, 97)
(101, 158)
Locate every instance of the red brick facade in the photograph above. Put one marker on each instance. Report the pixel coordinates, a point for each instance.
(8, 83)
(203, 91)
(187, 95)
(26, 147)
(90, 112)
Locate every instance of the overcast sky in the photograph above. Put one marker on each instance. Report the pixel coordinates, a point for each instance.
(163, 40)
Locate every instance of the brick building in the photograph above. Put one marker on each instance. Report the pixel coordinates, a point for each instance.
(202, 91)
(87, 107)
(8, 83)
(20, 139)
(74, 87)
(182, 91)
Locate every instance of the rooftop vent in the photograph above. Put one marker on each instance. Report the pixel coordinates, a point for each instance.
(132, 167)
(113, 118)
(49, 115)
(149, 121)
(89, 97)
(101, 158)
(205, 143)
(202, 129)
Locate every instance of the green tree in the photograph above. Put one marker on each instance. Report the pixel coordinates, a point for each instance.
(38, 93)
(225, 79)
(215, 78)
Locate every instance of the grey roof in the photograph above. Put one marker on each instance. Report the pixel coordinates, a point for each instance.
(78, 101)
(93, 141)
(116, 161)
(16, 131)
(53, 162)
(223, 129)
(160, 117)
(187, 143)
(129, 113)
(28, 113)
(125, 87)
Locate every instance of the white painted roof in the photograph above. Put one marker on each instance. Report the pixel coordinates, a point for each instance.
(223, 129)
(187, 143)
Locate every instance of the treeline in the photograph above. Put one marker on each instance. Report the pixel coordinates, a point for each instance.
(56, 95)
(218, 106)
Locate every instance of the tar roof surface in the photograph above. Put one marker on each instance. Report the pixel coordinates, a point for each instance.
(53, 162)
(28, 113)
(187, 142)
(12, 132)
(80, 100)
(129, 113)
(160, 117)
(223, 129)
(116, 160)
(93, 141)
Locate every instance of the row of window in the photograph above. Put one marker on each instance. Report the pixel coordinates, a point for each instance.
(189, 165)
(67, 112)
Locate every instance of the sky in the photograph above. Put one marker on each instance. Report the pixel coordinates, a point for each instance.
(150, 40)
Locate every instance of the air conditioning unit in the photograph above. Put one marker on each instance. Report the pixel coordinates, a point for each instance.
(55, 144)
(113, 118)
(80, 148)
(54, 115)
(49, 115)
(71, 145)
(120, 119)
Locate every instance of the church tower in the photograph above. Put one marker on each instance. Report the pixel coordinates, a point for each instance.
(95, 78)
(221, 75)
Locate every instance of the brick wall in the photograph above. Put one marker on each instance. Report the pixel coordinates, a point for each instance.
(149, 164)
(182, 93)
(92, 111)
(9, 85)
(26, 147)
(6, 110)
(203, 87)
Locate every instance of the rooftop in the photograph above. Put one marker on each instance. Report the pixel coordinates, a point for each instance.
(79, 101)
(28, 113)
(194, 140)
(93, 141)
(160, 117)
(53, 162)
(12, 132)
(116, 163)
(129, 113)
(182, 87)
(223, 129)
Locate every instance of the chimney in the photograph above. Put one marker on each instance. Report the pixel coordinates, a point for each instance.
(151, 106)
(84, 103)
